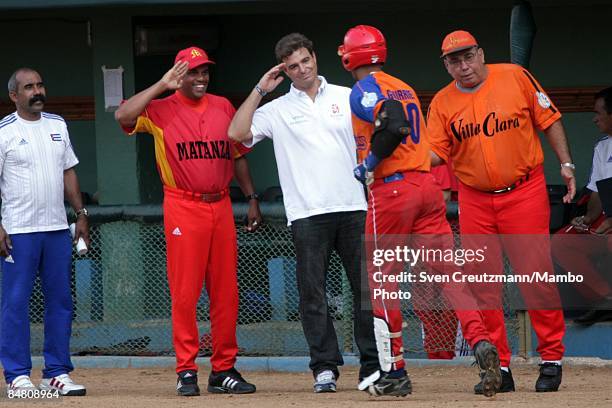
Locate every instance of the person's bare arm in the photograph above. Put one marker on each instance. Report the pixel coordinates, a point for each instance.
(555, 134)
(128, 112)
(5, 243)
(72, 192)
(243, 177)
(240, 128)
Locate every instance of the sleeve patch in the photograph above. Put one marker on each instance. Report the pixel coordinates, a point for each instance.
(543, 100)
(369, 99)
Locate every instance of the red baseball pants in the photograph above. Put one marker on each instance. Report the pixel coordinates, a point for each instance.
(411, 205)
(522, 211)
(201, 248)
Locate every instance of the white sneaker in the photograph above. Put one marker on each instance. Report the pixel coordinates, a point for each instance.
(21, 383)
(64, 384)
(325, 382)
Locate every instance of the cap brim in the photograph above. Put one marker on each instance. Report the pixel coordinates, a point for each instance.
(467, 47)
(198, 64)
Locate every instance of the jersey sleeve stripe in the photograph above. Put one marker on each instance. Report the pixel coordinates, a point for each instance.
(7, 122)
(537, 88)
(52, 116)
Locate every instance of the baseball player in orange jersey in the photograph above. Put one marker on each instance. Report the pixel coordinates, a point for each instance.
(404, 198)
(196, 162)
(486, 120)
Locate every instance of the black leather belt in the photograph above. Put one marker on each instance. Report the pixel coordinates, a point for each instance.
(511, 187)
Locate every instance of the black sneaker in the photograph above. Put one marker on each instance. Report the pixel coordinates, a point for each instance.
(391, 384)
(488, 362)
(229, 382)
(187, 384)
(507, 383)
(550, 377)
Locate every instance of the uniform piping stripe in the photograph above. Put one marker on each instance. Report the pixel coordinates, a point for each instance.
(537, 88)
(394, 366)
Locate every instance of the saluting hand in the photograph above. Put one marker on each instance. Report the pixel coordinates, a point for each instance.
(173, 79)
(270, 80)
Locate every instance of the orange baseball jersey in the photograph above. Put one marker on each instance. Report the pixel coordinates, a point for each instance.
(192, 149)
(366, 99)
(491, 133)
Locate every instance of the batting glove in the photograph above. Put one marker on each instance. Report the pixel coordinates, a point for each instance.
(364, 172)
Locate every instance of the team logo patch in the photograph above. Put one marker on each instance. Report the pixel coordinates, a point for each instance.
(374, 59)
(543, 100)
(369, 99)
(56, 137)
(334, 108)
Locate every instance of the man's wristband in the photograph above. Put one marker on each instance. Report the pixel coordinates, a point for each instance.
(260, 91)
(253, 196)
(568, 165)
(82, 211)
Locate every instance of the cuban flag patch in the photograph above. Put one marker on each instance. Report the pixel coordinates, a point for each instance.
(56, 137)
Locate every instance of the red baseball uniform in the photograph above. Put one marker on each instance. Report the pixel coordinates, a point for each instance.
(491, 135)
(195, 161)
(404, 197)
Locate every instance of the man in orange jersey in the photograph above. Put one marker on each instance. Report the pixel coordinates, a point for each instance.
(404, 199)
(196, 162)
(486, 120)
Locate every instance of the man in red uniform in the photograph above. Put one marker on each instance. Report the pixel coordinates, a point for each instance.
(196, 163)
(486, 120)
(404, 199)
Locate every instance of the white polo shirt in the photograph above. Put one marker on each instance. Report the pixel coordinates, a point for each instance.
(602, 162)
(33, 157)
(315, 150)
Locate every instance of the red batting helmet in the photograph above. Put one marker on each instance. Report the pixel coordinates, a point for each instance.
(363, 45)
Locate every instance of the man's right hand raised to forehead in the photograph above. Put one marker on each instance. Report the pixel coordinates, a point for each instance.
(173, 79)
(128, 112)
(271, 79)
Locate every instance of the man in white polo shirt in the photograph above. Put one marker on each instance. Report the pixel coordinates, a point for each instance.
(36, 173)
(313, 140)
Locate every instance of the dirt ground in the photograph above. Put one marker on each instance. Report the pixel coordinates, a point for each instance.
(433, 387)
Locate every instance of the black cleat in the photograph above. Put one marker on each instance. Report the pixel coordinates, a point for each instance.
(229, 382)
(507, 383)
(550, 377)
(187, 384)
(387, 385)
(488, 362)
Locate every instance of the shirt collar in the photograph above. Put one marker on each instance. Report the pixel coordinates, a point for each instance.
(198, 105)
(293, 90)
